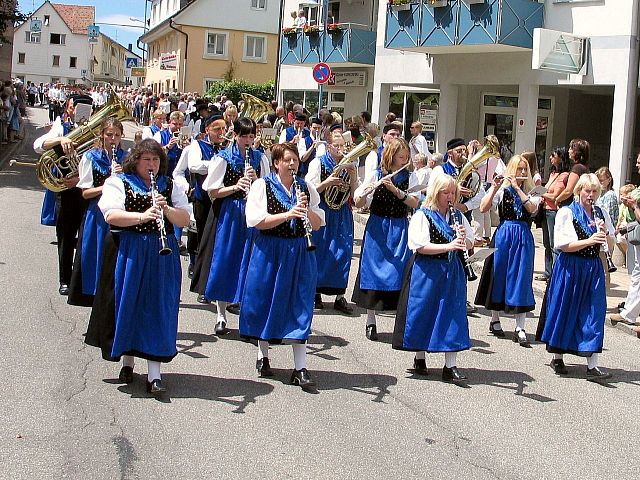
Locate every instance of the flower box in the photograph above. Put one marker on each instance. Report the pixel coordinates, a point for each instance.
(289, 32)
(334, 28)
(311, 30)
(400, 5)
(438, 3)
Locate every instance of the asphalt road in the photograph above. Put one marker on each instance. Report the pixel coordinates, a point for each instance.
(64, 415)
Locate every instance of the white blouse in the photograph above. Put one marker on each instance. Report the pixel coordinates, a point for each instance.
(256, 209)
(218, 167)
(371, 177)
(85, 172)
(419, 230)
(314, 175)
(564, 233)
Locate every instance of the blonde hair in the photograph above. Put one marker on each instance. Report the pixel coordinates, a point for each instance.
(390, 150)
(228, 111)
(627, 189)
(604, 173)
(417, 125)
(512, 168)
(420, 157)
(439, 184)
(177, 115)
(586, 180)
(159, 113)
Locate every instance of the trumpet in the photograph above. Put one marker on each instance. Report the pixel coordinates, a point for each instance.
(597, 215)
(307, 224)
(374, 185)
(181, 140)
(468, 270)
(164, 247)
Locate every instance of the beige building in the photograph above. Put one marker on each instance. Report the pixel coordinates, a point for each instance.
(110, 63)
(207, 40)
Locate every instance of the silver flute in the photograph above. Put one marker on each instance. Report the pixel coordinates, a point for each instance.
(596, 215)
(164, 247)
(307, 224)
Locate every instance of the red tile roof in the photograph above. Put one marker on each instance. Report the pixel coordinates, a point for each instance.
(77, 17)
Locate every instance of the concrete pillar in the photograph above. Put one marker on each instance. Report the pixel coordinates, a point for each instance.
(380, 106)
(527, 112)
(355, 101)
(621, 154)
(447, 114)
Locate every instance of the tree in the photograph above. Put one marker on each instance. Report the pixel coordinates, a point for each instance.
(10, 16)
(233, 89)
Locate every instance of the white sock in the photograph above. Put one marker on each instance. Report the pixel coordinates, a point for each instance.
(520, 318)
(222, 308)
(153, 370)
(263, 349)
(299, 355)
(421, 355)
(128, 361)
(557, 356)
(371, 317)
(592, 361)
(450, 359)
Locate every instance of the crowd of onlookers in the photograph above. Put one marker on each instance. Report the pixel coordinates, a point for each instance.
(12, 108)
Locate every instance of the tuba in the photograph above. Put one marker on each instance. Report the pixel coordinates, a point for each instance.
(336, 196)
(469, 177)
(54, 167)
(253, 107)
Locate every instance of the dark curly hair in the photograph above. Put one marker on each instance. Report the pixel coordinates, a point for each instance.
(581, 149)
(148, 145)
(565, 164)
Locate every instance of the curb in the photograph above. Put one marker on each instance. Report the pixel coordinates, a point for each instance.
(7, 152)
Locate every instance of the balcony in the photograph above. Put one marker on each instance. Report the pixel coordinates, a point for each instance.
(464, 26)
(350, 45)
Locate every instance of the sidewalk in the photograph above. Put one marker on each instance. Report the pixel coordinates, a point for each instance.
(616, 291)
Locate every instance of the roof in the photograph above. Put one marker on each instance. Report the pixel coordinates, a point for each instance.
(77, 17)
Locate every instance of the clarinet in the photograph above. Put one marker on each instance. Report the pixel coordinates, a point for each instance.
(114, 156)
(164, 248)
(596, 215)
(305, 220)
(468, 270)
(247, 165)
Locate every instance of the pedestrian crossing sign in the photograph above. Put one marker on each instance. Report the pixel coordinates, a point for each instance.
(132, 62)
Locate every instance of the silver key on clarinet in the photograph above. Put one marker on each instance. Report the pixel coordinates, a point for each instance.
(596, 215)
(468, 269)
(307, 224)
(164, 247)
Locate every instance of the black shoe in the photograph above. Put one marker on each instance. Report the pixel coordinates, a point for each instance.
(221, 328)
(471, 308)
(559, 367)
(521, 339)
(126, 374)
(620, 306)
(155, 386)
(342, 306)
(498, 332)
(317, 303)
(452, 375)
(190, 271)
(203, 299)
(420, 366)
(234, 308)
(372, 333)
(302, 379)
(264, 368)
(596, 375)
(64, 289)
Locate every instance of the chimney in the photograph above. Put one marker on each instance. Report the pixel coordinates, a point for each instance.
(130, 48)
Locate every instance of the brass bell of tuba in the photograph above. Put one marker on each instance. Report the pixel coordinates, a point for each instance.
(253, 107)
(335, 196)
(54, 166)
(469, 177)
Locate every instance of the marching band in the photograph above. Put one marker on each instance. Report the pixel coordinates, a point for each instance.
(274, 231)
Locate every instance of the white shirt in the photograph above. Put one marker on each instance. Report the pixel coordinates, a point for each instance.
(147, 133)
(370, 163)
(564, 233)
(56, 131)
(473, 202)
(218, 167)
(418, 144)
(372, 177)
(419, 235)
(314, 174)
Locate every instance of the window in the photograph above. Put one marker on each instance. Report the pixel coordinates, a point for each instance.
(254, 48)
(73, 62)
(46, 20)
(21, 56)
(208, 83)
(56, 60)
(216, 44)
(259, 4)
(57, 38)
(32, 37)
(55, 79)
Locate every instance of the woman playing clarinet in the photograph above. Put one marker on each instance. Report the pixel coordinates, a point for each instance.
(573, 312)
(277, 305)
(384, 247)
(432, 311)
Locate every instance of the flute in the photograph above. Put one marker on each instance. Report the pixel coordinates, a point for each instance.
(164, 247)
(307, 224)
(373, 186)
(468, 270)
(596, 215)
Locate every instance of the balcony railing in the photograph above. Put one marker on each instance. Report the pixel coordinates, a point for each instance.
(448, 26)
(345, 44)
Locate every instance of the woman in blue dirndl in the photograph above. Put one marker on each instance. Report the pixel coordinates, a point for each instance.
(506, 283)
(385, 253)
(432, 311)
(95, 167)
(574, 308)
(146, 285)
(277, 305)
(228, 183)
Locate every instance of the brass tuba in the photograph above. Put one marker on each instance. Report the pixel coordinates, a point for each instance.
(468, 176)
(54, 167)
(335, 196)
(253, 107)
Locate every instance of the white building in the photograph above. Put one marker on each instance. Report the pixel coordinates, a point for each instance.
(470, 67)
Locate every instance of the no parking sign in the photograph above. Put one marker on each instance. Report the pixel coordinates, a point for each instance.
(321, 73)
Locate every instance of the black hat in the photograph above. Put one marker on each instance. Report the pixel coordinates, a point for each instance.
(456, 142)
(85, 99)
(335, 127)
(391, 126)
(200, 104)
(301, 117)
(211, 118)
(316, 121)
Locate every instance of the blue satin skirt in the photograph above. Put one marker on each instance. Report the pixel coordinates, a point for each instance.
(334, 250)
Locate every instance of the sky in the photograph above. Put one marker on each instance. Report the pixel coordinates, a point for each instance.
(107, 11)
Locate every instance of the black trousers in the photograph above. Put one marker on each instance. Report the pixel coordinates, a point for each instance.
(200, 213)
(71, 207)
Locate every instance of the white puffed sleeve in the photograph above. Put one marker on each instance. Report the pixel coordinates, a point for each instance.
(182, 165)
(194, 160)
(85, 172)
(314, 174)
(370, 178)
(497, 198)
(370, 163)
(215, 175)
(57, 130)
(113, 196)
(563, 232)
(265, 166)
(314, 203)
(146, 133)
(179, 198)
(256, 208)
(418, 231)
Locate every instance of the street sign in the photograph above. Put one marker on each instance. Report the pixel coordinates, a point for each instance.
(137, 72)
(93, 32)
(321, 73)
(131, 62)
(35, 25)
(168, 61)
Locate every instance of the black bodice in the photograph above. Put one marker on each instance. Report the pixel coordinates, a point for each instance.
(592, 251)
(231, 177)
(436, 237)
(141, 202)
(99, 177)
(285, 229)
(386, 204)
(507, 211)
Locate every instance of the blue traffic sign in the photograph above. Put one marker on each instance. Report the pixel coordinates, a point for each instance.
(132, 62)
(321, 73)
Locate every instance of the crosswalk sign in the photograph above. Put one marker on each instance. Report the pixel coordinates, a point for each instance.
(132, 62)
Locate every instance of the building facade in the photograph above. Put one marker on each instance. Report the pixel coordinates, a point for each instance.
(208, 40)
(110, 62)
(536, 74)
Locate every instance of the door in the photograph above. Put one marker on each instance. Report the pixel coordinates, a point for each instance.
(502, 125)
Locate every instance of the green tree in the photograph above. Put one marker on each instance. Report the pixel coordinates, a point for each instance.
(8, 17)
(232, 90)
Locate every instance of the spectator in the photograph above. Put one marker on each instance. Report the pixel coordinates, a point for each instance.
(390, 118)
(625, 216)
(5, 109)
(532, 160)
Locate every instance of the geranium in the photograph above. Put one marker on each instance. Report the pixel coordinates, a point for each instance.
(311, 29)
(397, 2)
(289, 31)
(334, 27)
